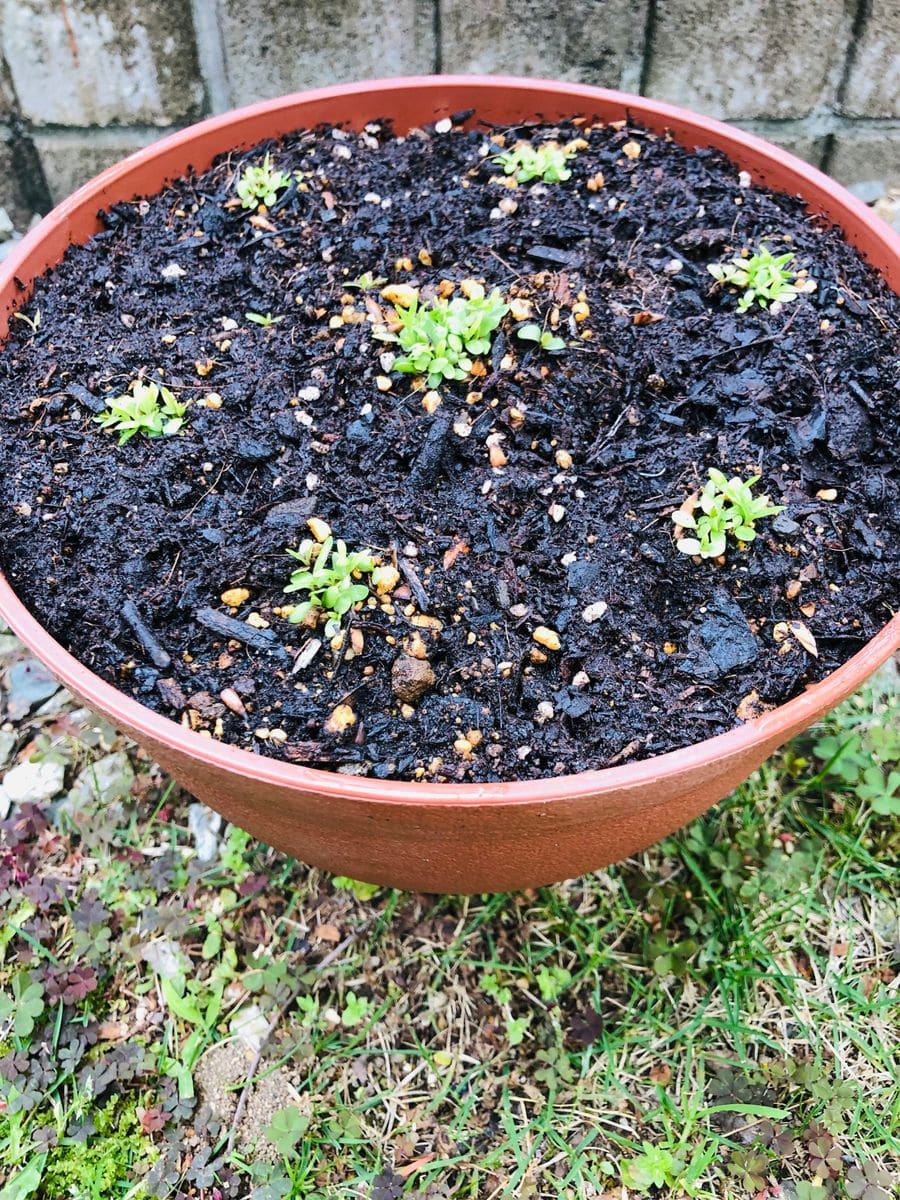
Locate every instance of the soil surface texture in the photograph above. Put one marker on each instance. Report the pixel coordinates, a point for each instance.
(541, 619)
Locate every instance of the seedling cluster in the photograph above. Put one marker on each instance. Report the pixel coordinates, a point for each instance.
(441, 337)
(547, 162)
(150, 409)
(329, 573)
(261, 185)
(765, 278)
(727, 506)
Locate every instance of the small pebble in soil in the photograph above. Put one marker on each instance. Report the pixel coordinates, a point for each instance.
(785, 525)
(34, 782)
(341, 718)
(415, 646)
(411, 678)
(594, 612)
(235, 597)
(385, 578)
(320, 529)
(496, 455)
(463, 747)
(232, 701)
(548, 638)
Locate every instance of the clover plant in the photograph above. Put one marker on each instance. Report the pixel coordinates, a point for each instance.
(261, 184)
(544, 338)
(24, 1006)
(546, 162)
(441, 337)
(328, 572)
(150, 409)
(728, 506)
(764, 277)
(286, 1128)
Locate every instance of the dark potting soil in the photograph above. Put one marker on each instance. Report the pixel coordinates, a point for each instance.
(124, 553)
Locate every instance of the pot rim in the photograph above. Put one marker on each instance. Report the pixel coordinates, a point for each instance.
(141, 720)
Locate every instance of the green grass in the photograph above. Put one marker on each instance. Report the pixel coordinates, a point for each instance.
(716, 1017)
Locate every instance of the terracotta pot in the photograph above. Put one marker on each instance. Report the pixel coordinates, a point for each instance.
(445, 837)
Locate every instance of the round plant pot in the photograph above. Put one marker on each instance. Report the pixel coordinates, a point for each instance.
(445, 837)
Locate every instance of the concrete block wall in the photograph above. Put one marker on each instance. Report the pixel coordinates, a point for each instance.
(84, 82)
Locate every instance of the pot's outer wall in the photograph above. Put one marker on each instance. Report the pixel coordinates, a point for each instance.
(445, 837)
(481, 838)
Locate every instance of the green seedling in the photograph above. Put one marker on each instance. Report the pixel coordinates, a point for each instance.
(33, 323)
(328, 575)
(811, 1191)
(265, 321)
(654, 1167)
(552, 981)
(499, 992)
(233, 854)
(546, 162)
(310, 1007)
(261, 185)
(728, 506)
(440, 338)
(361, 890)
(764, 278)
(516, 1028)
(366, 281)
(545, 339)
(355, 1010)
(197, 1005)
(150, 409)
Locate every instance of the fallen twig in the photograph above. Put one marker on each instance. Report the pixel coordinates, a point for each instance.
(262, 640)
(409, 573)
(144, 634)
